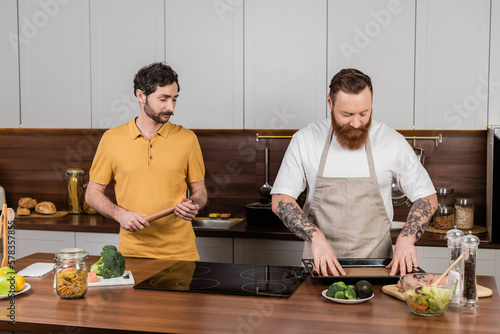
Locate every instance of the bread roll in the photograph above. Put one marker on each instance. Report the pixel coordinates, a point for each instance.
(46, 208)
(23, 211)
(27, 202)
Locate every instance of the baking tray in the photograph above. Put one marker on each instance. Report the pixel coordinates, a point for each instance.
(372, 270)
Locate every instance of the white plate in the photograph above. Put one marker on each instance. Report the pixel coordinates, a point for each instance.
(27, 286)
(397, 225)
(346, 301)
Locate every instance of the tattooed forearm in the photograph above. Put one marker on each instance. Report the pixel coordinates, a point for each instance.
(295, 220)
(418, 218)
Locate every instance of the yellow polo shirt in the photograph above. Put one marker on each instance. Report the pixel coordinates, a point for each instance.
(150, 176)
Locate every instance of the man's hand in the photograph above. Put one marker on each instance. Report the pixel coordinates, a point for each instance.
(186, 209)
(290, 213)
(325, 260)
(405, 257)
(405, 253)
(131, 221)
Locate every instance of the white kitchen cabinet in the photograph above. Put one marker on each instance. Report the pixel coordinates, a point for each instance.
(29, 241)
(94, 242)
(285, 63)
(267, 251)
(204, 45)
(215, 249)
(494, 88)
(451, 73)
(9, 66)
(377, 38)
(125, 36)
(54, 64)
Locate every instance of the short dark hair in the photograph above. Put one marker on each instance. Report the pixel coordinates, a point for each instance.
(151, 76)
(351, 81)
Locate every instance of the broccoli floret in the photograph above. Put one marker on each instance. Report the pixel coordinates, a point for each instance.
(339, 295)
(110, 264)
(350, 293)
(334, 288)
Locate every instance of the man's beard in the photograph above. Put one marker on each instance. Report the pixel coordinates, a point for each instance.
(351, 138)
(156, 116)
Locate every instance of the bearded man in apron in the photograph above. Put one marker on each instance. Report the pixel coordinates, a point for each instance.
(347, 165)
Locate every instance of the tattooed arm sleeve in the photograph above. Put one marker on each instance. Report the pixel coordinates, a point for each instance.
(419, 217)
(287, 209)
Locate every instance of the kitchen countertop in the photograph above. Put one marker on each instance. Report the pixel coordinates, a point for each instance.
(114, 309)
(100, 224)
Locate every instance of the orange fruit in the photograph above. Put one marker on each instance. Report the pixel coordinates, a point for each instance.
(20, 282)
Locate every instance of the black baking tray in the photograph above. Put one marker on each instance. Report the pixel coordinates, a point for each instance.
(373, 278)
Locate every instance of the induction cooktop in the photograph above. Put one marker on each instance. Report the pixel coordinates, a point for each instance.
(227, 278)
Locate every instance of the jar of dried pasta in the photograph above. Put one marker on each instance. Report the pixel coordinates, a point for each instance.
(464, 213)
(71, 273)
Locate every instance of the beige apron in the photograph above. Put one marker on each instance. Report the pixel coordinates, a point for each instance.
(351, 213)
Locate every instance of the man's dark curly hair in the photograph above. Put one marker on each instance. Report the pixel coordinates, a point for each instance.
(151, 76)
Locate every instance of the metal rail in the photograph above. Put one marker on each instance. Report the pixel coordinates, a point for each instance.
(437, 139)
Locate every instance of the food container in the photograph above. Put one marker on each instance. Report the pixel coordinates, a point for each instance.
(469, 302)
(454, 237)
(464, 213)
(445, 197)
(426, 299)
(75, 190)
(71, 273)
(444, 218)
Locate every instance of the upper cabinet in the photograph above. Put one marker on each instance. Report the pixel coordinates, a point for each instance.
(9, 66)
(204, 45)
(377, 37)
(285, 63)
(494, 88)
(451, 73)
(125, 36)
(54, 64)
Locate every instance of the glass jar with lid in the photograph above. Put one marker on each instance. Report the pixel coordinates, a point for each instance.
(74, 178)
(71, 273)
(445, 197)
(464, 213)
(454, 237)
(469, 301)
(444, 218)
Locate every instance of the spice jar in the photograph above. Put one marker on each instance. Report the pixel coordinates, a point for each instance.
(464, 213)
(75, 190)
(454, 237)
(469, 302)
(444, 218)
(445, 197)
(71, 273)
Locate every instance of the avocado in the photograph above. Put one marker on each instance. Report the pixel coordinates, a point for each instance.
(363, 289)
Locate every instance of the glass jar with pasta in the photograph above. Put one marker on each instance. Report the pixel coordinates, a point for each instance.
(71, 273)
(75, 190)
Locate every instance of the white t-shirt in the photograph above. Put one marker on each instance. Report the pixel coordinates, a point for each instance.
(391, 152)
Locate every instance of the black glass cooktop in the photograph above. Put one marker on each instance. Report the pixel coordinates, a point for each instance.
(227, 278)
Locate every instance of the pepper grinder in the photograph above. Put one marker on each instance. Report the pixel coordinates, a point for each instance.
(470, 301)
(454, 237)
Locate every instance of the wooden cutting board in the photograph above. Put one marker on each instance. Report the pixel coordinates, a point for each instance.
(395, 291)
(58, 214)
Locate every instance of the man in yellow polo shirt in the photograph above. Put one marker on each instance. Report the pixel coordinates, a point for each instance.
(152, 163)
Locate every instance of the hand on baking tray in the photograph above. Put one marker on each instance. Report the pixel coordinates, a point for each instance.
(404, 258)
(325, 261)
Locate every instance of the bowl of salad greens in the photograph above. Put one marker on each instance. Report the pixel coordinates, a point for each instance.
(423, 297)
